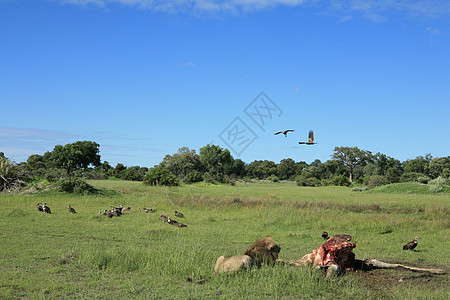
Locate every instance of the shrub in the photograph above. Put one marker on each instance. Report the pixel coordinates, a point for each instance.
(446, 173)
(307, 181)
(208, 177)
(423, 179)
(437, 185)
(410, 176)
(132, 174)
(213, 177)
(192, 177)
(440, 181)
(11, 176)
(159, 176)
(436, 188)
(359, 189)
(54, 174)
(377, 180)
(75, 185)
(228, 180)
(341, 180)
(273, 178)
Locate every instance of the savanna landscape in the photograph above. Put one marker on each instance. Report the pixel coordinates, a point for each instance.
(86, 255)
(224, 149)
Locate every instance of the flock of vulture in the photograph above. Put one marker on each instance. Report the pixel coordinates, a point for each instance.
(408, 246)
(117, 212)
(310, 136)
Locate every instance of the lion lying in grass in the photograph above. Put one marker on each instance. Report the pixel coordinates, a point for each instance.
(263, 251)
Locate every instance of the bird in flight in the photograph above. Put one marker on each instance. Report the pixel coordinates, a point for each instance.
(310, 139)
(285, 132)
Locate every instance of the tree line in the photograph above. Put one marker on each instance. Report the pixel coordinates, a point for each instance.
(346, 165)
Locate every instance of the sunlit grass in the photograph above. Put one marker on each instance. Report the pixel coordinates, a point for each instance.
(136, 255)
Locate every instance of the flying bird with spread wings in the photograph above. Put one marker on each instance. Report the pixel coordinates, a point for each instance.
(310, 139)
(285, 132)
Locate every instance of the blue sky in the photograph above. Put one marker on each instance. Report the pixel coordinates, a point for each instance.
(143, 78)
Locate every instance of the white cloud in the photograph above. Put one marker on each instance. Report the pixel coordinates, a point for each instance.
(187, 65)
(432, 30)
(32, 133)
(19, 143)
(376, 9)
(343, 10)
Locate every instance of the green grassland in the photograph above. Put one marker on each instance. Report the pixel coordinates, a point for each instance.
(86, 256)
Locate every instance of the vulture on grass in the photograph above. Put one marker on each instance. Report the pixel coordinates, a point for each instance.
(71, 209)
(411, 245)
(39, 207)
(46, 209)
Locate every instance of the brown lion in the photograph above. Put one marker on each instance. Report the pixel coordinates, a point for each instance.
(231, 264)
(262, 251)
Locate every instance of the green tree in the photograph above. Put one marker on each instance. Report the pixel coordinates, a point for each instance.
(384, 162)
(299, 166)
(334, 168)
(437, 166)
(160, 176)
(182, 162)
(286, 168)
(238, 168)
(420, 164)
(36, 161)
(118, 170)
(216, 161)
(75, 156)
(105, 170)
(192, 177)
(352, 157)
(132, 174)
(261, 169)
(393, 174)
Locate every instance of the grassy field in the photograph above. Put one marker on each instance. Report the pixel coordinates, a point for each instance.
(138, 256)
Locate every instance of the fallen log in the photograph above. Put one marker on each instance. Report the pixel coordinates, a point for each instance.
(376, 264)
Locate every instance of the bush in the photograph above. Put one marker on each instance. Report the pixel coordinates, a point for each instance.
(11, 176)
(359, 189)
(341, 180)
(208, 177)
(436, 188)
(446, 173)
(192, 177)
(75, 185)
(159, 176)
(437, 185)
(410, 177)
(91, 174)
(273, 178)
(377, 180)
(54, 174)
(132, 174)
(440, 181)
(423, 179)
(307, 181)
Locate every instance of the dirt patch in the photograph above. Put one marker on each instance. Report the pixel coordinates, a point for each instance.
(378, 279)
